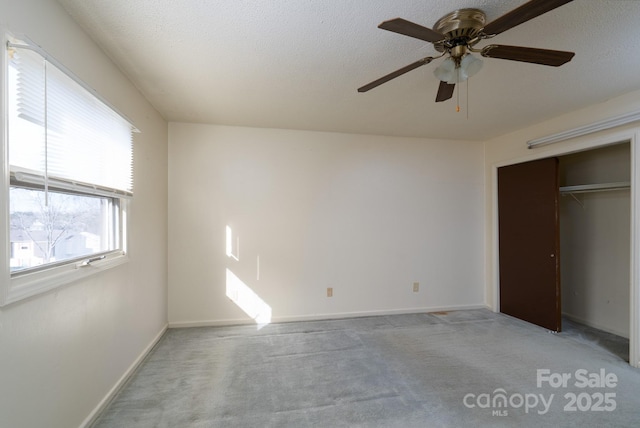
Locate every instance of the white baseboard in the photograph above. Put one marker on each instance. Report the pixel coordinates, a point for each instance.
(319, 317)
(122, 381)
(595, 325)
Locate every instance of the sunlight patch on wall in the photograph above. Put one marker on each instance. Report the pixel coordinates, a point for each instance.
(232, 247)
(248, 300)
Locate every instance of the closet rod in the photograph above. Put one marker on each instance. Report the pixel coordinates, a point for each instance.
(600, 187)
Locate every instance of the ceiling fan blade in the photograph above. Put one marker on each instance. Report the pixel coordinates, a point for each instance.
(532, 55)
(445, 91)
(407, 28)
(521, 14)
(395, 74)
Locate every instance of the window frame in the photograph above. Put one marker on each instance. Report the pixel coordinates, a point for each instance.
(18, 285)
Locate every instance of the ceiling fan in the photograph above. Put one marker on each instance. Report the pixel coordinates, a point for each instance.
(456, 34)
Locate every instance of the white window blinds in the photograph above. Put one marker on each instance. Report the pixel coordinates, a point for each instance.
(60, 134)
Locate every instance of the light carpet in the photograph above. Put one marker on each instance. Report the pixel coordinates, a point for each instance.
(457, 369)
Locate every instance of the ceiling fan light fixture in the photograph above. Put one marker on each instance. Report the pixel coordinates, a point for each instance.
(453, 73)
(446, 71)
(470, 65)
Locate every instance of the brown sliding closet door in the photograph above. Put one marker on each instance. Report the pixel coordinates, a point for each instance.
(529, 242)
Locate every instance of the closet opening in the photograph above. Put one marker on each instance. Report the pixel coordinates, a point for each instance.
(595, 245)
(564, 239)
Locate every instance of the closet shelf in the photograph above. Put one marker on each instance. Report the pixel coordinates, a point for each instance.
(600, 187)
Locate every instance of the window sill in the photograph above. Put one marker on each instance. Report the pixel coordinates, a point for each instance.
(31, 284)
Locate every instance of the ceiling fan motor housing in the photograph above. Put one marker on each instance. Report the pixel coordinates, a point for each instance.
(459, 27)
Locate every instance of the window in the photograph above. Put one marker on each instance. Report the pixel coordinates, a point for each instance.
(68, 157)
(67, 227)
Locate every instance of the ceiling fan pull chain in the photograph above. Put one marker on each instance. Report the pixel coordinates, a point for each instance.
(468, 99)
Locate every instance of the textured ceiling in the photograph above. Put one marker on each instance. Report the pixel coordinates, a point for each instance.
(297, 63)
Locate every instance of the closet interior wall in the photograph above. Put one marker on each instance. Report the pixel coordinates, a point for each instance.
(595, 238)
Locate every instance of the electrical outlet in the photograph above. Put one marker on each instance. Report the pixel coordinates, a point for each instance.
(329, 291)
(416, 287)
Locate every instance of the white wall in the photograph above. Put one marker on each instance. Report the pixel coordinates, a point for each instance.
(595, 240)
(62, 352)
(366, 215)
